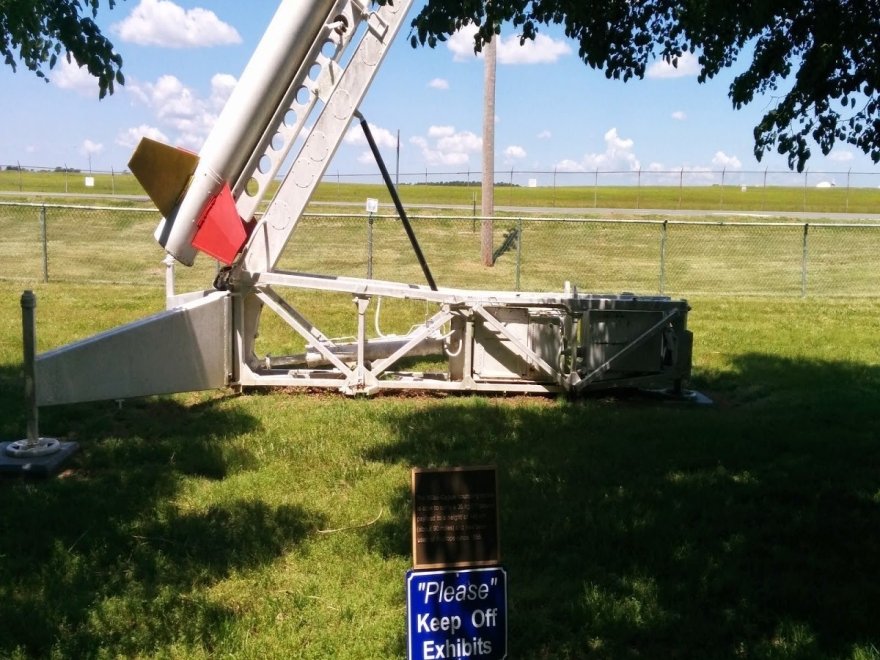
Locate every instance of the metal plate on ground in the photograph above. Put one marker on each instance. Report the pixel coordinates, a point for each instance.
(38, 466)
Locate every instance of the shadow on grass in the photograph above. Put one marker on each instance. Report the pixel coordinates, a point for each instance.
(100, 559)
(643, 530)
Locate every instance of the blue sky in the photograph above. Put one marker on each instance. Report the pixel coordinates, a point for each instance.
(553, 113)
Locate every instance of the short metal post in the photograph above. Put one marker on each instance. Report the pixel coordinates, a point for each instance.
(28, 333)
(33, 445)
(169, 276)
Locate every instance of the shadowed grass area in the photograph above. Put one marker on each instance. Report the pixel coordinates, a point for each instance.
(277, 524)
(632, 529)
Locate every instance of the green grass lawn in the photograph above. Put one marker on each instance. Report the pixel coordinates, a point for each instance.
(119, 187)
(277, 524)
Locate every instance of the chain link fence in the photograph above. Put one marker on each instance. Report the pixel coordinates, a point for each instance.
(60, 243)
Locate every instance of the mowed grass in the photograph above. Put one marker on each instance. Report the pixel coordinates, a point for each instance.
(710, 197)
(277, 524)
(120, 188)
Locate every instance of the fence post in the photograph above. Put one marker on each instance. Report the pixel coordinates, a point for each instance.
(44, 242)
(680, 186)
(806, 172)
(519, 237)
(370, 247)
(663, 229)
(721, 200)
(510, 189)
(554, 186)
(848, 172)
(474, 212)
(764, 189)
(804, 261)
(595, 187)
(639, 188)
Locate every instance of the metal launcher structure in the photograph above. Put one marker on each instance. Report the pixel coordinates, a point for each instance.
(302, 88)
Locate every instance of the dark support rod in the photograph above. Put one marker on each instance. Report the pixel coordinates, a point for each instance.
(393, 191)
(29, 343)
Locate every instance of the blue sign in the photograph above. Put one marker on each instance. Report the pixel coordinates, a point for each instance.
(457, 614)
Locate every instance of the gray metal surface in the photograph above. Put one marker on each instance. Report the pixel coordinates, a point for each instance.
(179, 350)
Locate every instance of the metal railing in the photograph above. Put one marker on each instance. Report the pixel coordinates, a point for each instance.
(94, 244)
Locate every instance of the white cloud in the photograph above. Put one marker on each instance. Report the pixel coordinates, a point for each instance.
(131, 137)
(180, 110)
(464, 142)
(679, 115)
(89, 148)
(382, 136)
(166, 24)
(67, 75)
(439, 83)
(513, 153)
(543, 50)
(441, 131)
(222, 85)
(568, 165)
(544, 135)
(618, 155)
(722, 160)
(841, 155)
(461, 44)
(443, 145)
(687, 66)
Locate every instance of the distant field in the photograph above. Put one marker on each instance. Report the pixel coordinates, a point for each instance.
(31, 185)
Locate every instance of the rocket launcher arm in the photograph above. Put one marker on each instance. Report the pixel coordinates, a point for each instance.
(336, 91)
(300, 67)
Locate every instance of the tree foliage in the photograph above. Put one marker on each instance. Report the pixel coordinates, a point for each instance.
(39, 32)
(816, 62)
